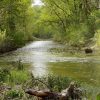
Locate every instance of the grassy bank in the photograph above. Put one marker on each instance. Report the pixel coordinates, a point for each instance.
(8, 45)
(15, 78)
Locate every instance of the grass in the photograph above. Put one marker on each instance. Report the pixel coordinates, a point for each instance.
(54, 83)
(14, 94)
(98, 97)
(12, 79)
(15, 80)
(18, 77)
(15, 73)
(19, 80)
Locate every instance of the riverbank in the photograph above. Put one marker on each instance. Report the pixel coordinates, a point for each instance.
(9, 45)
(16, 79)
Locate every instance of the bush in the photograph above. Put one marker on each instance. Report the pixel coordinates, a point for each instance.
(18, 77)
(4, 74)
(54, 83)
(57, 83)
(12, 94)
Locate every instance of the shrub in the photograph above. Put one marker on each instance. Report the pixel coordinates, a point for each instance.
(54, 83)
(4, 74)
(12, 94)
(18, 77)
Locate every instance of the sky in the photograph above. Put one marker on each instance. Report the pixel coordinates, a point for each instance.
(37, 2)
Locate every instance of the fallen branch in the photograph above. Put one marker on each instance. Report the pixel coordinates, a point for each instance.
(72, 92)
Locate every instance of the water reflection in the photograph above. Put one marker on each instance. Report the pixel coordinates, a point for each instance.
(39, 64)
(85, 72)
(39, 69)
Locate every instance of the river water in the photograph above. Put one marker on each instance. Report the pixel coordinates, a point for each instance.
(47, 57)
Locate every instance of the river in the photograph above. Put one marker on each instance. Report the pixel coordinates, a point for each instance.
(47, 57)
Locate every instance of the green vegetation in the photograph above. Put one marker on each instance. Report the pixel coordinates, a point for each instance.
(16, 23)
(98, 97)
(13, 75)
(54, 83)
(75, 22)
(97, 36)
(14, 82)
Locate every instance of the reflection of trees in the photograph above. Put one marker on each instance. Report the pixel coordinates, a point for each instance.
(92, 69)
(82, 71)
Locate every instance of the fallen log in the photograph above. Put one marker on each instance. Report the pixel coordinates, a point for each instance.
(72, 92)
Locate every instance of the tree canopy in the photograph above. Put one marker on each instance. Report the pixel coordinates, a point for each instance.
(68, 21)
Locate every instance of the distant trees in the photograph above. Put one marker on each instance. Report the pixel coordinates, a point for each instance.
(41, 29)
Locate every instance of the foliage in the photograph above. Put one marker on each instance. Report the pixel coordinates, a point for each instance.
(40, 29)
(4, 74)
(98, 97)
(54, 83)
(18, 77)
(73, 22)
(16, 22)
(14, 74)
(57, 83)
(13, 94)
(97, 38)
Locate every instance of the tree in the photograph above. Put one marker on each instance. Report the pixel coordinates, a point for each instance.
(72, 19)
(16, 19)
